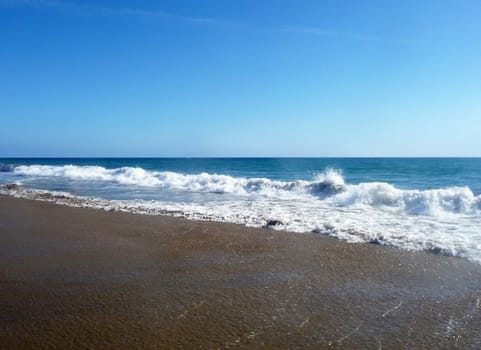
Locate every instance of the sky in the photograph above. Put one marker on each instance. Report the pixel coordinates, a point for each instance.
(240, 78)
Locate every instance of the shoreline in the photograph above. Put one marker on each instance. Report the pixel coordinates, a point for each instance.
(80, 277)
(351, 235)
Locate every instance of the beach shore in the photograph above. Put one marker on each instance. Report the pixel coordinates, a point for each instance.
(74, 278)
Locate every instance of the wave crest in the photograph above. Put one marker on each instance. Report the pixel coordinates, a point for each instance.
(435, 202)
(328, 186)
(328, 182)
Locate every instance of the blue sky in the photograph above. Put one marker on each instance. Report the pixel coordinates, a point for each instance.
(240, 78)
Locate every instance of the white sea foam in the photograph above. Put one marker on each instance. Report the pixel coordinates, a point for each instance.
(202, 182)
(328, 186)
(445, 220)
(435, 202)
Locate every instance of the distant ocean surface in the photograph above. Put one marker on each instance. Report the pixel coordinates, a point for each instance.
(431, 204)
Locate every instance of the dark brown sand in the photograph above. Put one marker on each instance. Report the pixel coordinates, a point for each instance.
(88, 279)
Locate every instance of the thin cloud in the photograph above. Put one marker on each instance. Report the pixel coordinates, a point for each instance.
(341, 35)
(89, 10)
(78, 9)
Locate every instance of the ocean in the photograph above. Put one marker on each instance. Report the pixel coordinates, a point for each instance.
(431, 204)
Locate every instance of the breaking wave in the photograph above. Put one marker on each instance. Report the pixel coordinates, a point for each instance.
(328, 182)
(328, 186)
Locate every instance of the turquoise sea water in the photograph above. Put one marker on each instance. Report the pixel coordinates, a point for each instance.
(414, 203)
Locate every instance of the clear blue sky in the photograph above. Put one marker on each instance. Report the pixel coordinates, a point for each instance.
(240, 78)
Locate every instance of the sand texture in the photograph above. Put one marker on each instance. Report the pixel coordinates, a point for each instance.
(73, 278)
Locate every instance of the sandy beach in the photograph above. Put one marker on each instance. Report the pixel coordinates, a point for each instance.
(74, 278)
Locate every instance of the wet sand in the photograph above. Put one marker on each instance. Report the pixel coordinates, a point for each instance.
(75, 278)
